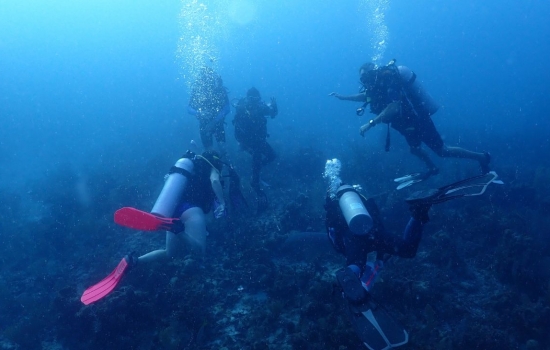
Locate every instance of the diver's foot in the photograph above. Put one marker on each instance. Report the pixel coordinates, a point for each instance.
(131, 259)
(484, 164)
(351, 286)
(370, 275)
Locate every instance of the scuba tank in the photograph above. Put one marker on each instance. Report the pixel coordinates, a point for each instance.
(357, 217)
(173, 189)
(420, 99)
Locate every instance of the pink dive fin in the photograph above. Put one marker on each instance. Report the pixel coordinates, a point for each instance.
(141, 220)
(106, 286)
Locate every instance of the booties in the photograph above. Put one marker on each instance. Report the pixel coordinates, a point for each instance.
(371, 274)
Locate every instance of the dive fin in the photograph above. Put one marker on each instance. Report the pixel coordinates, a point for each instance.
(373, 325)
(407, 180)
(141, 220)
(407, 183)
(106, 286)
(378, 330)
(473, 186)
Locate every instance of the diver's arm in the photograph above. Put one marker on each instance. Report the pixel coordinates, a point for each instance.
(217, 186)
(386, 116)
(360, 97)
(390, 112)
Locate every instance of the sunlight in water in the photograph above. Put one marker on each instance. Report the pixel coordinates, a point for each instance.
(242, 11)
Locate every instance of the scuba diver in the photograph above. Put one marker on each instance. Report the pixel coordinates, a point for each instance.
(397, 98)
(251, 133)
(209, 103)
(355, 229)
(192, 188)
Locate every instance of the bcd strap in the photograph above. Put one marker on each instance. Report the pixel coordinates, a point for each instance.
(175, 170)
(345, 190)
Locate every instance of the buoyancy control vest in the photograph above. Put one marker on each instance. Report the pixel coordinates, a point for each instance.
(389, 82)
(250, 122)
(188, 181)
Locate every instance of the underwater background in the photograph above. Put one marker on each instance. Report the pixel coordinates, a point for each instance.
(93, 111)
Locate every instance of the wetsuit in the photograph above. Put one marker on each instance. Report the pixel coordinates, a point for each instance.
(198, 192)
(414, 122)
(357, 247)
(251, 133)
(210, 104)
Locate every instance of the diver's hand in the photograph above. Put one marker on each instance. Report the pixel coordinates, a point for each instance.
(335, 94)
(365, 128)
(220, 211)
(274, 107)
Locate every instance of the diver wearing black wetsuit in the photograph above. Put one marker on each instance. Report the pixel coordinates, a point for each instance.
(397, 98)
(251, 131)
(357, 247)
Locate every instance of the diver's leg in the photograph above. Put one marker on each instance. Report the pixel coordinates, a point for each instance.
(423, 156)
(407, 245)
(195, 232)
(356, 251)
(162, 254)
(219, 133)
(414, 138)
(256, 167)
(268, 153)
(411, 239)
(206, 137)
(456, 152)
(432, 139)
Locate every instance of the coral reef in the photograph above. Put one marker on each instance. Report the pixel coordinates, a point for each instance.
(479, 279)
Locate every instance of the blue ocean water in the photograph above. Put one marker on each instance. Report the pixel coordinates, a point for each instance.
(79, 77)
(102, 87)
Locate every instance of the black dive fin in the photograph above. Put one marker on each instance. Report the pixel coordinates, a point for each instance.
(373, 325)
(377, 329)
(473, 186)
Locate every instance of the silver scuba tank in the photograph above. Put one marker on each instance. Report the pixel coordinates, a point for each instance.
(421, 100)
(357, 217)
(173, 189)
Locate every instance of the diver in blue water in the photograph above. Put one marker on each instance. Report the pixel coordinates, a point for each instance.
(355, 229)
(192, 188)
(397, 98)
(251, 133)
(209, 103)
